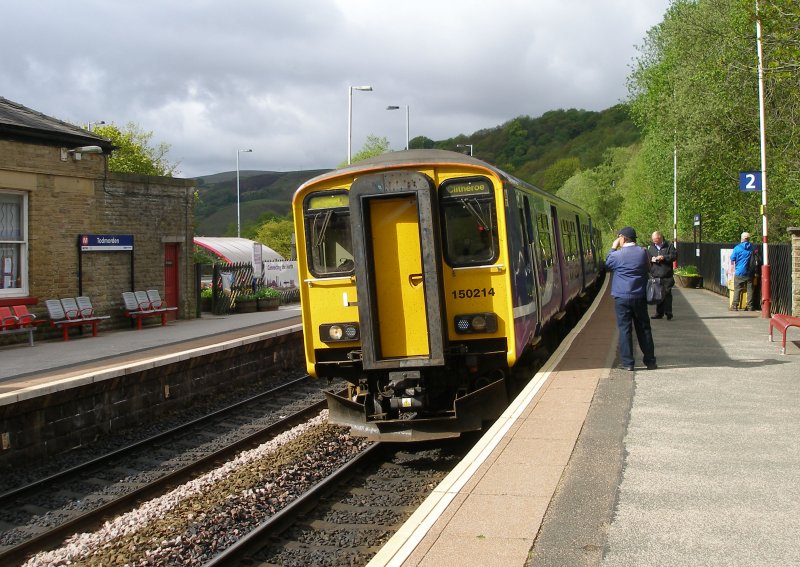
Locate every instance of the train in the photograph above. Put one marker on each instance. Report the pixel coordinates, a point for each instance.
(425, 277)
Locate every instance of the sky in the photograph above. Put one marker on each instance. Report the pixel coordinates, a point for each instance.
(211, 78)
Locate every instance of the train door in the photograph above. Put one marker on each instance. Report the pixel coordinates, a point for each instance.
(582, 249)
(561, 258)
(171, 287)
(398, 278)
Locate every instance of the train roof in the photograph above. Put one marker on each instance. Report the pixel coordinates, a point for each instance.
(433, 157)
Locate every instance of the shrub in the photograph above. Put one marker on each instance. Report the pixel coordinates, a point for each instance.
(687, 271)
(267, 292)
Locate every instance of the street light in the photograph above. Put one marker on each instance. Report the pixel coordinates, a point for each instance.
(238, 215)
(465, 146)
(398, 108)
(350, 118)
(98, 122)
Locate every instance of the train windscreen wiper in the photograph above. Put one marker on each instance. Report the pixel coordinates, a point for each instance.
(473, 206)
(323, 229)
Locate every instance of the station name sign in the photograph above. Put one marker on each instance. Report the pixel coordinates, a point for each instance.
(105, 242)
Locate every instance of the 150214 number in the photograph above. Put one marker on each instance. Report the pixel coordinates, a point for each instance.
(472, 293)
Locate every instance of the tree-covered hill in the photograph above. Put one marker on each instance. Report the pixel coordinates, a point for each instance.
(261, 194)
(545, 151)
(531, 147)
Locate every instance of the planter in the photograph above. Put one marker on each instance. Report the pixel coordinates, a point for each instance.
(268, 303)
(688, 281)
(205, 304)
(246, 305)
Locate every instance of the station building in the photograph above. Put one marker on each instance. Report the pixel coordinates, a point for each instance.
(70, 227)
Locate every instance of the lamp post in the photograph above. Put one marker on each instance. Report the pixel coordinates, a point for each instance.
(238, 214)
(465, 146)
(350, 118)
(407, 122)
(89, 126)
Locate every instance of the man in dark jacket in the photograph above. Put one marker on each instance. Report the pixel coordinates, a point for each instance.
(662, 255)
(743, 274)
(630, 265)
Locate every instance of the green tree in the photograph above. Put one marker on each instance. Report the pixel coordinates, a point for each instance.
(559, 172)
(694, 90)
(374, 146)
(134, 154)
(600, 190)
(421, 142)
(276, 233)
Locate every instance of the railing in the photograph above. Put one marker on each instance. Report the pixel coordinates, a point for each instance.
(229, 282)
(708, 264)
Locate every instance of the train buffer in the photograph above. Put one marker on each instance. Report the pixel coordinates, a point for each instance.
(782, 323)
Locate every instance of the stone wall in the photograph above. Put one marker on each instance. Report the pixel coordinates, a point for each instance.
(66, 419)
(795, 232)
(70, 198)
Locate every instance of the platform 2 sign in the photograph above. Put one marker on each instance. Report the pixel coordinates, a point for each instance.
(750, 181)
(105, 242)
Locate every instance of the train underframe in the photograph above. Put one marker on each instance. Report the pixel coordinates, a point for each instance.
(417, 403)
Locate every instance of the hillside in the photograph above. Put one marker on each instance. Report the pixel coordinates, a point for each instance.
(533, 149)
(261, 193)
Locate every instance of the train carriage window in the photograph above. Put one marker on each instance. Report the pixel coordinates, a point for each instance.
(469, 221)
(545, 243)
(328, 239)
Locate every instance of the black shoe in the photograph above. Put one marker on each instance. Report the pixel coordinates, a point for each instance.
(669, 316)
(652, 366)
(659, 316)
(625, 367)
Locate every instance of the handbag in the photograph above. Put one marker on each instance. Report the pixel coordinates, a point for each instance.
(655, 291)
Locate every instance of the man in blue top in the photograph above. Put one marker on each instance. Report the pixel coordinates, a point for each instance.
(743, 275)
(631, 266)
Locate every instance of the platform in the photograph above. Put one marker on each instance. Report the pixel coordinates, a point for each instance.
(25, 367)
(692, 463)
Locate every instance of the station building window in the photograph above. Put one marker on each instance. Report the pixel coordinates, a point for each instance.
(13, 243)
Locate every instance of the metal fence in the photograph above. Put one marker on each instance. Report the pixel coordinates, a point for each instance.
(229, 282)
(706, 256)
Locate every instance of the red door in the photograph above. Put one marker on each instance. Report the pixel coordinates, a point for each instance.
(171, 277)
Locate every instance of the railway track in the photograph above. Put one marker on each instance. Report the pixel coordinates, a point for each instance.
(41, 513)
(345, 519)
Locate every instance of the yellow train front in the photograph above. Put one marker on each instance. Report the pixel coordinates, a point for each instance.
(410, 293)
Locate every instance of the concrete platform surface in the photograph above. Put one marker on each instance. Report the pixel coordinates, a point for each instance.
(694, 463)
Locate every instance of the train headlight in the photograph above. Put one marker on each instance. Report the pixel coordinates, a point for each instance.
(339, 332)
(476, 323)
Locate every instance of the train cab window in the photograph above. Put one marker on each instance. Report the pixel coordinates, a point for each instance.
(469, 221)
(328, 239)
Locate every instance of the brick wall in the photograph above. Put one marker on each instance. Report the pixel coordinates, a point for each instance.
(70, 198)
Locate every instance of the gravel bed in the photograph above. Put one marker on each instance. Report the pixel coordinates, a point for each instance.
(201, 518)
(349, 527)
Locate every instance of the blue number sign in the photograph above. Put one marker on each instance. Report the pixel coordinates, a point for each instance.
(750, 181)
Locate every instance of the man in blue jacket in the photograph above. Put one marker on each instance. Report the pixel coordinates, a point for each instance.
(743, 275)
(631, 266)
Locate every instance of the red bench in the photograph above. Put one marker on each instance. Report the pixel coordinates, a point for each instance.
(14, 324)
(782, 322)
